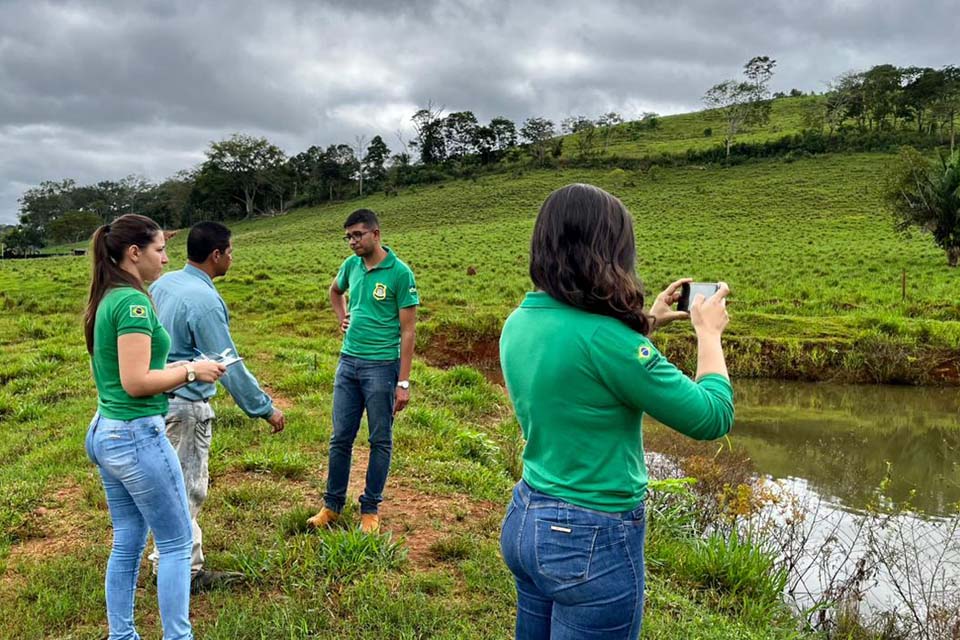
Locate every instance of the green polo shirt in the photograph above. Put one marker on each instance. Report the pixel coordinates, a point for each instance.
(376, 297)
(126, 310)
(580, 383)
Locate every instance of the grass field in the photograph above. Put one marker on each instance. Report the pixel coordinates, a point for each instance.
(677, 134)
(816, 272)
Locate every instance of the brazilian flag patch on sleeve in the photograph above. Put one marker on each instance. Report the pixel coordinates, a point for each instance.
(647, 356)
(138, 311)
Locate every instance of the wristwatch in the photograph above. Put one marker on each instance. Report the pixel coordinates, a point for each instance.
(191, 372)
(403, 384)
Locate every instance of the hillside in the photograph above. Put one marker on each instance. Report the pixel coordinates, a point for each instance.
(816, 271)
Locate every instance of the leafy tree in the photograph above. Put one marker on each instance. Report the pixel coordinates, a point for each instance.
(538, 132)
(504, 134)
(213, 196)
(167, 202)
(584, 131)
(22, 240)
(375, 161)
(759, 72)
(921, 89)
(428, 124)
(43, 204)
(926, 194)
(846, 100)
(881, 92)
(946, 106)
(460, 133)
(251, 162)
(73, 226)
(743, 103)
(606, 123)
(339, 166)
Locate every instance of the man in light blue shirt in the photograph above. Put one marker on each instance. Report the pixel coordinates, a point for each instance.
(195, 316)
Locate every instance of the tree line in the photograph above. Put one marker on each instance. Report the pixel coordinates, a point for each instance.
(243, 176)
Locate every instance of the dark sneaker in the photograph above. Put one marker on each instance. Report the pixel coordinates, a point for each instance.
(206, 580)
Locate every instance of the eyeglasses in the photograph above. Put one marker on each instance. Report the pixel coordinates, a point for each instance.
(355, 236)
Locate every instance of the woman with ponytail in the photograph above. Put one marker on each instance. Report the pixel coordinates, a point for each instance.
(127, 437)
(581, 372)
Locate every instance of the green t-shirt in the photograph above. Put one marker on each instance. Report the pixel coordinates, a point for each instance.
(376, 297)
(125, 310)
(580, 383)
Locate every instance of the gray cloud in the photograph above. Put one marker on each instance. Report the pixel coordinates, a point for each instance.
(96, 91)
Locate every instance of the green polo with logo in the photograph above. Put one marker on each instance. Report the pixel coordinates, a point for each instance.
(580, 384)
(376, 297)
(126, 310)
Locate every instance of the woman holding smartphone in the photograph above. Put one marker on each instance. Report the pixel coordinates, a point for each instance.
(581, 372)
(127, 437)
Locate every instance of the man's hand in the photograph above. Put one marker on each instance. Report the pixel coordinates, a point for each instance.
(277, 420)
(345, 323)
(400, 399)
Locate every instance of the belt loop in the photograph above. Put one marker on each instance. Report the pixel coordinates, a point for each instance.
(523, 490)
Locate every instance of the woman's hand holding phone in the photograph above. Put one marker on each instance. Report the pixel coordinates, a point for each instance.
(709, 315)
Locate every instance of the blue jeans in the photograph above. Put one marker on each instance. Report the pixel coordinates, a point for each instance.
(578, 572)
(361, 384)
(144, 486)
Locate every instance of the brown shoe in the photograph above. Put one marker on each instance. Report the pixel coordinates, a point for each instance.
(323, 519)
(369, 523)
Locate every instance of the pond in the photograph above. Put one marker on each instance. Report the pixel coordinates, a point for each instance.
(847, 452)
(842, 441)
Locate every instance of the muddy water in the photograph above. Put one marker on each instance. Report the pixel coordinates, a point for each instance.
(842, 441)
(846, 449)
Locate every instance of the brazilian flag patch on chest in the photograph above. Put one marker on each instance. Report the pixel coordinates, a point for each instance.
(138, 311)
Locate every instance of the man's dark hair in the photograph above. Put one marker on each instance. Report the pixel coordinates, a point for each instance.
(205, 238)
(362, 216)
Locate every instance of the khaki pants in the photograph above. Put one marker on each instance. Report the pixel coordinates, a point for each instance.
(190, 429)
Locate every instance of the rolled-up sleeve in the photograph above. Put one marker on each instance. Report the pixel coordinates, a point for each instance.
(211, 331)
(641, 377)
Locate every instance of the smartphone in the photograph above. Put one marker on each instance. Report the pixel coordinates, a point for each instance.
(690, 290)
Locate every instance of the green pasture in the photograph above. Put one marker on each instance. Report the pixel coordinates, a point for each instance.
(678, 133)
(816, 272)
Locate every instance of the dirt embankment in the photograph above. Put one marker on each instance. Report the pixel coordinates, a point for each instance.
(872, 360)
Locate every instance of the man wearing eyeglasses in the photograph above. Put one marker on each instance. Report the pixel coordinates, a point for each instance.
(374, 370)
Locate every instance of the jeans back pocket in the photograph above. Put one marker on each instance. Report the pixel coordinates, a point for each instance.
(564, 550)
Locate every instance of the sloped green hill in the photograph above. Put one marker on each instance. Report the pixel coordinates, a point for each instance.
(817, 274)
(678, 133)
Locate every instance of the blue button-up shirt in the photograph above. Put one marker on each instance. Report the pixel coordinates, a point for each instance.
(195, 316)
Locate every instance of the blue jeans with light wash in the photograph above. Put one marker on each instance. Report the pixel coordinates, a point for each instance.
(144, 486)
(578, 572)
(361, 384)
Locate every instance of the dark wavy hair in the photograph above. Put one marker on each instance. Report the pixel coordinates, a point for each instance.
(107, 247)
(583, 253)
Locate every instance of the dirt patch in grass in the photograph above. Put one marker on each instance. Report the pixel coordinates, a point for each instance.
(482, 352)
(278, 401)
(406, 512)
(58, 528)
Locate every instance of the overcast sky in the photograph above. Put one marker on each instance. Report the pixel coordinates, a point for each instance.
(99, 90)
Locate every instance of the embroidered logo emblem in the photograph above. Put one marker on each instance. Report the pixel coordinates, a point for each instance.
(644, 353)
(138, 311)
(413, 291)
(380, 291)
